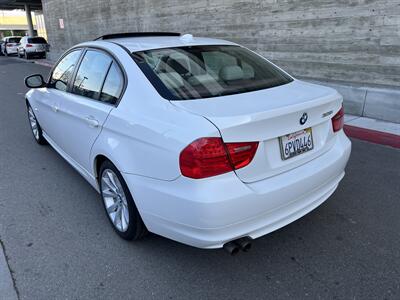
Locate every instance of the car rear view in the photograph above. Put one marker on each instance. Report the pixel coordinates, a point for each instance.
(280, 154)
(36, 46)
(11, 45)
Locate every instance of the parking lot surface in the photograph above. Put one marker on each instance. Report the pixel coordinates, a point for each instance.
(59, 244)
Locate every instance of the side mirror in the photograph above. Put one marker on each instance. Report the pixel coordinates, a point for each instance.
(35, 81)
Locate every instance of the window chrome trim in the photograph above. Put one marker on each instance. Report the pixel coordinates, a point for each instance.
(84, 49)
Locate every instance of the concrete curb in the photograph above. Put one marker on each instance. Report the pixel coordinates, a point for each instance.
(373, 136)
(372, 130)
(7, 290)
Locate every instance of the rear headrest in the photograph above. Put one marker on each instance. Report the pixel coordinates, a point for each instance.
(228, 73)
(171, 80)
(248, 71)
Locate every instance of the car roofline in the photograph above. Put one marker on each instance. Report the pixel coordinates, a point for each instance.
(131, 46)
(136, 34)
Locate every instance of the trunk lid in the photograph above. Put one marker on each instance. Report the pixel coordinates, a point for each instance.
(267, 115)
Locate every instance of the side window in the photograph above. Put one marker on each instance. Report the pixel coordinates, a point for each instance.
(64, 70)
(112, 86)
(91, 74)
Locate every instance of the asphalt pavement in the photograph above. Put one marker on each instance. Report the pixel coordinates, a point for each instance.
(60, 245)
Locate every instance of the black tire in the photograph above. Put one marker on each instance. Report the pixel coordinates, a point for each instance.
(39, 138)
(136, 228)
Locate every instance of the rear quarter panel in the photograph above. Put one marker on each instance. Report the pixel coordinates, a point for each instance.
(148, 143)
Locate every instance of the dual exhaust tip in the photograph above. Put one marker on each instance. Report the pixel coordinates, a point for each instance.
(235, 246)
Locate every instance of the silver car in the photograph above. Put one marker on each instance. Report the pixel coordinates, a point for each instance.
(33, 46)
(10, 45)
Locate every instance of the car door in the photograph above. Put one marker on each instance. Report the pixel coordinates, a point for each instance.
(83, 111)
(47, 101)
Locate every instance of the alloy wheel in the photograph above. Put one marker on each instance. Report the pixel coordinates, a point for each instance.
(33, 122)
(115, 200)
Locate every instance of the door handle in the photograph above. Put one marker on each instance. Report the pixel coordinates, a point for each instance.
(92, 121)
(55, 108)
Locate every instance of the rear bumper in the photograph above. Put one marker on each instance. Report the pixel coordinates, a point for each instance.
(208, 213)
(12, 50)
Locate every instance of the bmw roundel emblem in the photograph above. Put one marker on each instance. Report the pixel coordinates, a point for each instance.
(303, 119)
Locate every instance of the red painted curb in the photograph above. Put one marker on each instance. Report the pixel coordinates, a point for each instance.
(373, 136)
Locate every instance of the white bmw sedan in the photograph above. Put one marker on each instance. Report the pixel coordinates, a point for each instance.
(199, 140)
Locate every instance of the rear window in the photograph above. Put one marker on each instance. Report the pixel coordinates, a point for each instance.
(14, 40)
(37, 40)
(196, 72)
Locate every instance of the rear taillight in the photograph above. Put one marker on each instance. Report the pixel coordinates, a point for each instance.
(241, 154)
(9, 45)
(338, 120)
(208, 157)
(28, 46)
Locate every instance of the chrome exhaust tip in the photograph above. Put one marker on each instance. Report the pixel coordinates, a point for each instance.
(244, 243)
(232, 248)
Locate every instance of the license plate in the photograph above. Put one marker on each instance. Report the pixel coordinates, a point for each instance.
(296, 143)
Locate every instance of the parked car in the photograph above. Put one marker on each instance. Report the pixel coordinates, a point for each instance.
(10, 45)
(199, 140)
(33, 46)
